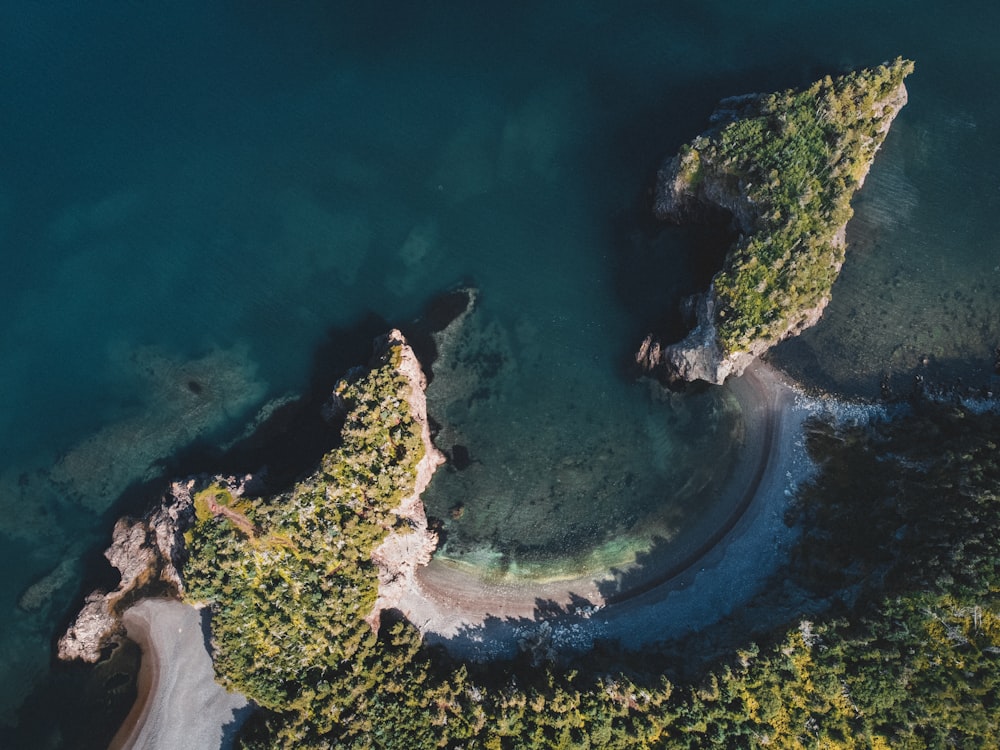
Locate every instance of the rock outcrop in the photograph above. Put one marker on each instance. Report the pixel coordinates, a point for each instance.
(148, 553)
(700, 355)
(784, 168)
(401, 553)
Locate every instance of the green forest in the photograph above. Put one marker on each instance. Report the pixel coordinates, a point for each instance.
(883, 630)
(795, 158)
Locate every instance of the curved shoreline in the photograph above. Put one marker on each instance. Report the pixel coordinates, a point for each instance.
(480, 619)
(753, 396)
(149, 669)
(179, 703)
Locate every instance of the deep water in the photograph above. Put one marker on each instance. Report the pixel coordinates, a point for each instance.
(192, 195)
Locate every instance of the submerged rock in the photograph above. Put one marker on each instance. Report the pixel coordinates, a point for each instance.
(784, 167)
(40, 594)
(181, 399)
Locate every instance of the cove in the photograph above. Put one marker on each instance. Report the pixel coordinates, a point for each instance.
(202, 183)
(562, 467)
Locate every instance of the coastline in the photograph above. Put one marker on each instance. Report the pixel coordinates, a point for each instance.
(480, 620)
(179, 703)
(401, 553)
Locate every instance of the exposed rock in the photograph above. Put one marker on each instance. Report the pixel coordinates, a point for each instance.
(93, 629)
(401, 553)
(149, 555)
(699, 356)
(716, 175)
(538, 643)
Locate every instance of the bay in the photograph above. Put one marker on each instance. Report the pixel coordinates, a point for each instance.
(193, 194)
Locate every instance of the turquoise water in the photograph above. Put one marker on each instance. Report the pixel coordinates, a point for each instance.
(561, 467)
(198, 192)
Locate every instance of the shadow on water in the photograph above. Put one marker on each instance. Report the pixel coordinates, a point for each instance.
(294, 437)
(290, 442)
(657, 267)
(78, 706)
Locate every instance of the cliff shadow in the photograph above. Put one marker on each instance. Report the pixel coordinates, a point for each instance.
(295, 436)
(657, 267)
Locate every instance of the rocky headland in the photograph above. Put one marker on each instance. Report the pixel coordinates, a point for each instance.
(154, 554)
(148, 553)
(404, 550)
(783, 168)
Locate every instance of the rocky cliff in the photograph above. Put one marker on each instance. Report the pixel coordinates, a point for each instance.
(402, 552)
(784, 167)
(148, 553)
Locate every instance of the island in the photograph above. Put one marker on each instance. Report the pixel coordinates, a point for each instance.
(879, 627)
(782, 168)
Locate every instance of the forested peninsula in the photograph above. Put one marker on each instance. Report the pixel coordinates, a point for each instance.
(889, 639)
(782, 168)
(882, 631)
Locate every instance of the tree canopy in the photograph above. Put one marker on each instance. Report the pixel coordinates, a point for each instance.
(795, 158)
(898, 544)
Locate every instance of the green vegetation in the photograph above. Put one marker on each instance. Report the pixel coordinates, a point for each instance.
(290, 578)
(797, 157)
(899, 557)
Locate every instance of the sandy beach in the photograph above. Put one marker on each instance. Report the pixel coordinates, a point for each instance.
(180, 705)
(480, 619)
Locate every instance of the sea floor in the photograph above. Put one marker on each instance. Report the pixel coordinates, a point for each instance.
(195, 198)
(557, 471)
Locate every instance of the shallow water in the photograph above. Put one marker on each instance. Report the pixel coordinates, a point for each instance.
(561, 467)
(918, 295)
(197, 192)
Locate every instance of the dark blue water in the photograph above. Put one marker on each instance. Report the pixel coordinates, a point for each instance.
(197, 192)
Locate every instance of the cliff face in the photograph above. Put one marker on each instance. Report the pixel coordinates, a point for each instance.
(784, 167)
(402, 552)
(148, 553)
(699, 356)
